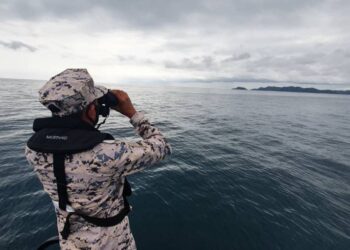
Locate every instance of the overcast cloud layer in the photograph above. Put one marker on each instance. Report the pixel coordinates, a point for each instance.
(278, 40)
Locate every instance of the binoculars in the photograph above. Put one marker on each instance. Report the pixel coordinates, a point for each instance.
(106, 102)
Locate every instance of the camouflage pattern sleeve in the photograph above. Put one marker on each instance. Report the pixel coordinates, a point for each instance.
(148, 151)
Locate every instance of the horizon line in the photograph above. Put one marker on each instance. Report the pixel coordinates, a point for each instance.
(227, 80)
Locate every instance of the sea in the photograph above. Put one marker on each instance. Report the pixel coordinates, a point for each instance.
(249, 169)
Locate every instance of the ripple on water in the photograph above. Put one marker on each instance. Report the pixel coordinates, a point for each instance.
(249, 171)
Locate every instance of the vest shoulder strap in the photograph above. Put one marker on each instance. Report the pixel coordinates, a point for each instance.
(60, 175)
(65, 136)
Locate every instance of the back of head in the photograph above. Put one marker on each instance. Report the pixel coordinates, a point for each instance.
(70, 92)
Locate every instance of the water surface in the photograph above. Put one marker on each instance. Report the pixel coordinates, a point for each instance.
(250, 170)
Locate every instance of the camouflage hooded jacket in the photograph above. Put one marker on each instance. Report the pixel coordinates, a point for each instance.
(95, 180)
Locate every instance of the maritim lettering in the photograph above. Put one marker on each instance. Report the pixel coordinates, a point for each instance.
(56, 137)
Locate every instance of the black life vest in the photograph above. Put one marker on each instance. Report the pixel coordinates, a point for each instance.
(63, 136)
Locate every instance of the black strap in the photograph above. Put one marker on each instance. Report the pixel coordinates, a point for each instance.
(66, 228)
(48, 242)
(100, 222)
(60, 174)
(107, 222)
(127, 191)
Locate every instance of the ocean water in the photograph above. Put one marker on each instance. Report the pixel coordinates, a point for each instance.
(250, 170)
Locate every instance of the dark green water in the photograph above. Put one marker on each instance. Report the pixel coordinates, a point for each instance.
(250, 170)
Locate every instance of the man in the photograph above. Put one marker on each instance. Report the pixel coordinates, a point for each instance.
(82, 169)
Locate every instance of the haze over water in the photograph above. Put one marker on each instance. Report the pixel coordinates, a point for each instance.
(250, 170)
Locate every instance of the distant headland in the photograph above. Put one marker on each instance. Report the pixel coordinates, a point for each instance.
(240, 88)
(299, 90)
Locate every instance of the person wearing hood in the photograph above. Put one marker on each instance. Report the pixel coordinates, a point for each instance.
(84, 170)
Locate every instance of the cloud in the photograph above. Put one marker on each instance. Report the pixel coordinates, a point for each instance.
(325, 67)
(239, 57)
(150, 14)
(195, 63)
(15, 45)
(294, 67)
(206, 62)
(280, 40)
(124, 60)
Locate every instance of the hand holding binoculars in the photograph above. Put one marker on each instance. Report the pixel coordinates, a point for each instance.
(117, 100)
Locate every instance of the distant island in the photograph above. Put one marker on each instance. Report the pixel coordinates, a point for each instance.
(303, 90)
(239, 88)
(298, 90)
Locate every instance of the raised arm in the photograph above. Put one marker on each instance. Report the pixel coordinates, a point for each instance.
(152, 148)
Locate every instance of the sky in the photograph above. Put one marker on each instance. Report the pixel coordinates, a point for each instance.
(299, 41)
